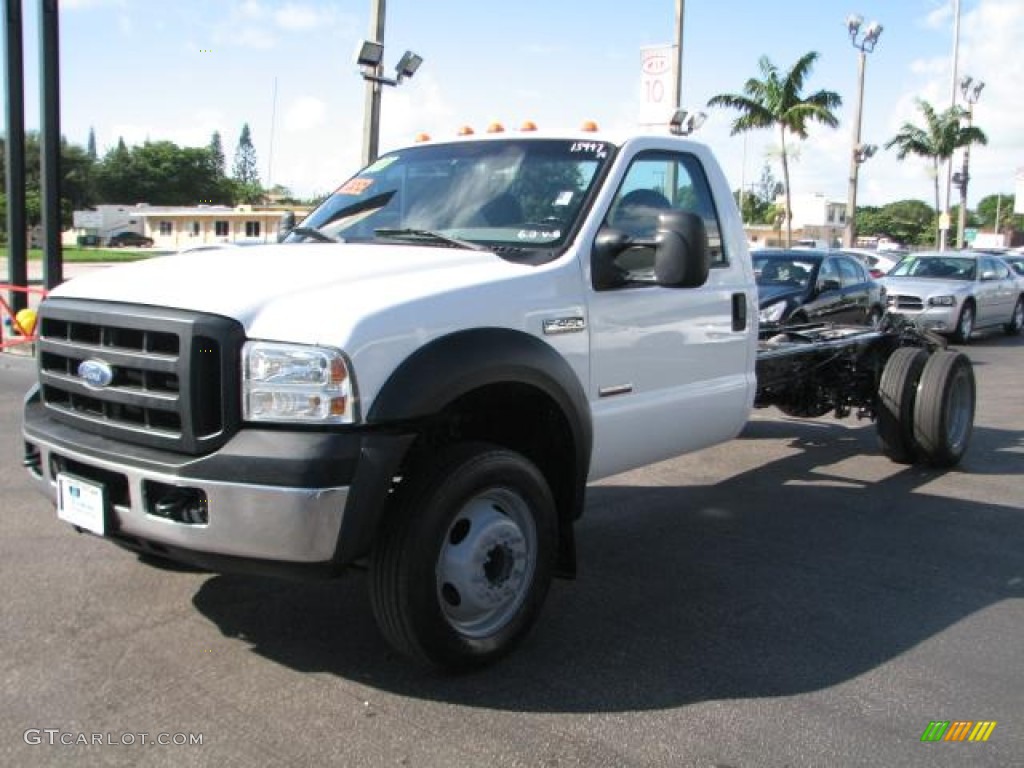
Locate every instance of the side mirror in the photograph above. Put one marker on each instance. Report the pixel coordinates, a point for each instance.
(286, 225)
(682, 258)
(608, 244)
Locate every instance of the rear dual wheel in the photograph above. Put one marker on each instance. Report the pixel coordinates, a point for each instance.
(926, 406)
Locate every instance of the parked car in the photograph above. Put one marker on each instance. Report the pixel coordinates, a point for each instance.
(956, 292)
(129, 239)
(1016, 262)
(801, 286)
(878, 263)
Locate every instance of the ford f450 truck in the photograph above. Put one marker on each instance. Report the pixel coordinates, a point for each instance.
(423, 376)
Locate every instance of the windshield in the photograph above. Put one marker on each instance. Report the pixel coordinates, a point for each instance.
(518, 194)
(939, 267)
(781, 270)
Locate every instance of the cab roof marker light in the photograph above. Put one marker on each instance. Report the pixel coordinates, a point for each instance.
(495, 127)
(466, 130)
(421, 137)
(528, 125)
(589, 126)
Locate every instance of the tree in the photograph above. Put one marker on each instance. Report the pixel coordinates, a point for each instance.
(1001, 206)
(943, 133)
(161, 173)
(77, 181)
(776, 101)
(217, 154)
(906, 221)
(91, 146)
(245, 172)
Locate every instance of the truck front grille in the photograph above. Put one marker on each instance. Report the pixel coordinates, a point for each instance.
(156, 377)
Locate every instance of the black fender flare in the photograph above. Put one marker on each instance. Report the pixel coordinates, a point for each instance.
(438, 374)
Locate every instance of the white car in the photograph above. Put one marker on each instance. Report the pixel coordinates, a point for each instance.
(878, 263)
(956, 293)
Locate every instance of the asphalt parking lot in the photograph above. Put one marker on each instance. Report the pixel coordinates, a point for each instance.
(791, 598)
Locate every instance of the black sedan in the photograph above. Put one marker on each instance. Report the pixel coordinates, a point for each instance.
(807, 286)
(130, 239)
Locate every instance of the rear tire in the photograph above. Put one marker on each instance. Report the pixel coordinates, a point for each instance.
(463, 565)
(897, 392)
(944, 410)
(1013, 327)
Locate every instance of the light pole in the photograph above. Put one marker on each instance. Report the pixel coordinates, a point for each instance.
(971, 91)
(859, 152)
(369, 57)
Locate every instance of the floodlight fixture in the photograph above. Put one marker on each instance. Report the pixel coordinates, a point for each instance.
(370, 54)
(407, 65)
(683, 123)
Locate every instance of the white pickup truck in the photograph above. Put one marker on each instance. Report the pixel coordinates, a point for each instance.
(422, 378)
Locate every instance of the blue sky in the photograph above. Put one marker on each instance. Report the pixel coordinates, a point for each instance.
(179, 70)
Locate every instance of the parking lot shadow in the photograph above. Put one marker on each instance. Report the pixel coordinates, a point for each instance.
(782, 579)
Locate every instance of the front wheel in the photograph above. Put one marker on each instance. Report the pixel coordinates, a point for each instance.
(965, 325)
(1013, 327)
(464, 562)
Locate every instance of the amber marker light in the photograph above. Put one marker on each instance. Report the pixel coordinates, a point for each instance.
(529, 125)
(589, 126)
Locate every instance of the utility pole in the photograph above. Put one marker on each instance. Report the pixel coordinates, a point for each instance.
(971, 92)
(680, 21)
(17, 252)
(858, 152)
(944, 219)
(371, 112)
(49, 43)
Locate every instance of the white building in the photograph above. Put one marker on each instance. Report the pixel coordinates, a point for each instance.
(818, 218)
(176, 227)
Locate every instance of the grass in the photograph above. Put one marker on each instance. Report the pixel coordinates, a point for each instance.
(85, 255)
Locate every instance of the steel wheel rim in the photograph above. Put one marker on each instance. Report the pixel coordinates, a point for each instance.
(1018, 315)
(487, 562)
(958, 414)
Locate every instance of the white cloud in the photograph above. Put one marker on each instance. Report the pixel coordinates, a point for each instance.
(78, 5)
(304, 114)
(297, 16)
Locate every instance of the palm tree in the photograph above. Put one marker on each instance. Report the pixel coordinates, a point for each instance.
(776, 100)
(943, 134)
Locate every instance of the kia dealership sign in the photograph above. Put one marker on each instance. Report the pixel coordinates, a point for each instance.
(659, 67)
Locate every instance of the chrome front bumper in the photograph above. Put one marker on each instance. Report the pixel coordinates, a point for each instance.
(299, 525)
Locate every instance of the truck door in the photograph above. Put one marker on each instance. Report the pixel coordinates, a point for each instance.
(671, 368)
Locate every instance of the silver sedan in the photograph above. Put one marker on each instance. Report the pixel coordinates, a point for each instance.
(956, 293)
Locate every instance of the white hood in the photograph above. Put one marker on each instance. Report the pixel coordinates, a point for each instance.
(245, 283)
(924, 287)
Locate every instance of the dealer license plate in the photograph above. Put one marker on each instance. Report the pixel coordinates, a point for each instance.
(81, 503)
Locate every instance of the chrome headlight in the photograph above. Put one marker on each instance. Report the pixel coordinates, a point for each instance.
(772, 313)
(297, 383)
(942, 301)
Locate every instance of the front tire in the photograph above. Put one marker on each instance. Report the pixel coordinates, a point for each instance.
(1013, 327)
(463, 565)
(965, 324)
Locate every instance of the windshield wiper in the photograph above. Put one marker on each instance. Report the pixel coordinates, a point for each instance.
(428, 236)
(314, 233)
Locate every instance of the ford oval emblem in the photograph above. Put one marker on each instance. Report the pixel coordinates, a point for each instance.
(95, 373)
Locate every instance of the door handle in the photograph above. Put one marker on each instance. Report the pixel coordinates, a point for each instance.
(739, 312)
